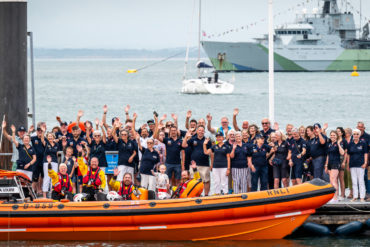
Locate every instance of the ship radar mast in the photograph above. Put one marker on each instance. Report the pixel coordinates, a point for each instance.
(330, 7)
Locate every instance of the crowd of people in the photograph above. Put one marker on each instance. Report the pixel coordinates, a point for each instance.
(160, 156)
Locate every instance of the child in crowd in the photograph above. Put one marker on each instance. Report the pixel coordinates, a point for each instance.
(162, 182)
(71, 167)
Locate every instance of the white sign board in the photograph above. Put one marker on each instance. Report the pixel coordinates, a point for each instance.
(12, 190)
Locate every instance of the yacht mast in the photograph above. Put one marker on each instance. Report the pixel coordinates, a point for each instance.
(271, 63)
(199, 32)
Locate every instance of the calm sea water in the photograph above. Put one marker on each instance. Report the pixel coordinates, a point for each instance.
(65, 86)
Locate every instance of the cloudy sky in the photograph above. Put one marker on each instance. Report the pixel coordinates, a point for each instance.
(157, 24)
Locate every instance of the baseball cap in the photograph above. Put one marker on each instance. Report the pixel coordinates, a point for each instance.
(151, 121)
(63, 123)
(219, 133)
(22, 128)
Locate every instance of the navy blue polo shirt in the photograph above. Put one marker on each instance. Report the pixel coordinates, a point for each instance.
(259, 154)
(366, 138)
(38, 147)
(290, 140)
(73, 143)
(98, 151)
(125, 150)
(25, 156)
(148, 161)
(333, 153)
(240, 157)
(173, 150)
(52, 151)
(220, 155)
(296, 148)
(282, 150)
(251, 140)
(111, 145)
(70, 165)
(59, 134)
(316, 148)
(357, 153)
(197, 152)
(267, 133)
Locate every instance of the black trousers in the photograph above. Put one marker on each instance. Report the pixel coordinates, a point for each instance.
(57, 196)
(91, 192)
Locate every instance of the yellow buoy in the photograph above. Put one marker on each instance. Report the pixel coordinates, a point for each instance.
(132, 71)
(354, 73)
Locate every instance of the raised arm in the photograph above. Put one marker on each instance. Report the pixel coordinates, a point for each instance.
(88, 133)
(114, 131)
(209, 124)
(13, 136)
(134, 117)
(127, 109)
(7, 136)
(207, 151)
(43, 136)
(79, 115)
(104, 118)
(188, 116)
(96, 124)
(341, 150)
(138, 142)
(235, 124)
(175, 119)
(321, 139)
(156, 129)
(232, 153)
(185, 140)
(104, 137)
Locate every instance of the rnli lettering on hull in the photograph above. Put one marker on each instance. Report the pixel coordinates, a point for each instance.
(278, 192)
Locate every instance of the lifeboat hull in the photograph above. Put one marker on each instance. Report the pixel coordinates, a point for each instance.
(271, 214)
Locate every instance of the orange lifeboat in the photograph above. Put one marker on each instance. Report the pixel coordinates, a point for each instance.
(271, 214)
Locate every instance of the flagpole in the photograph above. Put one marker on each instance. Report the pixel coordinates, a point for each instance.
(271, 63)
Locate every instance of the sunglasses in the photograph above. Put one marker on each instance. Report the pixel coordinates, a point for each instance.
(150, 142)
(169, 125)
(265, 123)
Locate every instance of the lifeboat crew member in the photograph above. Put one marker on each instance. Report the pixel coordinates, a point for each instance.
(93, 178)
(62, 187)
(257, 162)
(125, 188)
(185, 180)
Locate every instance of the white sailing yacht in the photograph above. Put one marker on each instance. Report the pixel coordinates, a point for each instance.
(203, 84)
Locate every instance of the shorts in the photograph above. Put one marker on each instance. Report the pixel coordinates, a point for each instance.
(74, 179)
(176, 168)
(298, 170)
(204, 172)
(281, 171)
(334, 166)
(79, 180)
(37, 170)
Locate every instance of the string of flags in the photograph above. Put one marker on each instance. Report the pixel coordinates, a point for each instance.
(255, 23)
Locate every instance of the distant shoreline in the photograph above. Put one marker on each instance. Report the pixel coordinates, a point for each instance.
(116, 53)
